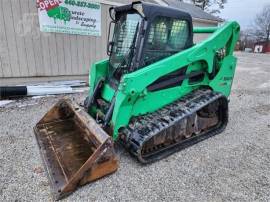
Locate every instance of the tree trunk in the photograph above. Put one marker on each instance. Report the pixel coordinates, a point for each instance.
(268, 34)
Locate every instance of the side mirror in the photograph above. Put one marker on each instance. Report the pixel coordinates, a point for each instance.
(109, 48)
(110, 43)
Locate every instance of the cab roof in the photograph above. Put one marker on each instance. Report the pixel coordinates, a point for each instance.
(150, 11)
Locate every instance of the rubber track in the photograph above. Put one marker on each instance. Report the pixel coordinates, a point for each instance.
(144, 127)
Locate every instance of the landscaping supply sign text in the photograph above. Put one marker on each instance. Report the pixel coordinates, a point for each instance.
(70, 16)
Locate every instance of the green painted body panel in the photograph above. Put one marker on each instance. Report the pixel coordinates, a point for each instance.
(132, 97)
(107, 93)
(204, 29)
(97, 71)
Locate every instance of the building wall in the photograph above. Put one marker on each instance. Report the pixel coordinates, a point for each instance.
(200, 37)
(267, 48)
(262, 47)
(27, 52)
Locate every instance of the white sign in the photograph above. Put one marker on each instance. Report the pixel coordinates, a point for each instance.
(70, 16)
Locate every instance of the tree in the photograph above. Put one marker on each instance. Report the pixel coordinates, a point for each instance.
(211, 6)
(246, 39)
(262, 24)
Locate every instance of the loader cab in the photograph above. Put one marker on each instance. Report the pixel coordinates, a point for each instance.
(143, 34)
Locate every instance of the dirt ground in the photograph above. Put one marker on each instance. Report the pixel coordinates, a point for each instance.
(233, 166)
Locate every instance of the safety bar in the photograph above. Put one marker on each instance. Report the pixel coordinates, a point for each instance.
(204, 29)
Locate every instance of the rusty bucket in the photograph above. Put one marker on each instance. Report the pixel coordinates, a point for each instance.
(74, 148)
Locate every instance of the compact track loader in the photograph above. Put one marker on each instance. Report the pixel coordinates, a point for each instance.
(156, 94)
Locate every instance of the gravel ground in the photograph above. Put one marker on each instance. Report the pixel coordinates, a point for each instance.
(233, 166)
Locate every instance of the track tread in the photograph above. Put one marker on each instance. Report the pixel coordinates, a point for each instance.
(142, 128)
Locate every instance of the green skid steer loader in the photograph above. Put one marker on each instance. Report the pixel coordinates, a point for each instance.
(156, 94)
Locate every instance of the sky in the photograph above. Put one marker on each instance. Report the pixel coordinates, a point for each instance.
(243, 11)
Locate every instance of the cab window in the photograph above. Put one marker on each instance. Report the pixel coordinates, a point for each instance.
(167, 36)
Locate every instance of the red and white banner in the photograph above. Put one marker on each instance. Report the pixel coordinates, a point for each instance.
(48, 4)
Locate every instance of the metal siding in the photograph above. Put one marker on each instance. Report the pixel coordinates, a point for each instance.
(23, 65)
(27, 52)
(10, 37)
(28, 31)
(67, 54)
(4, 53)
(46, 54)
